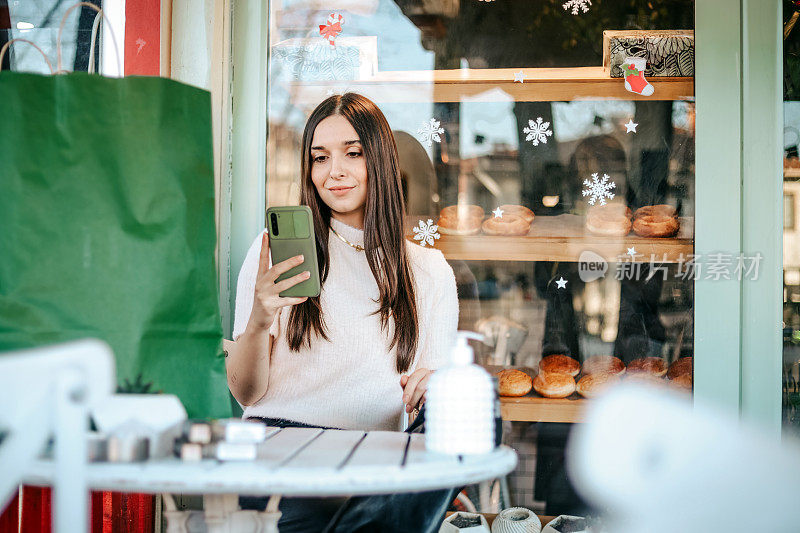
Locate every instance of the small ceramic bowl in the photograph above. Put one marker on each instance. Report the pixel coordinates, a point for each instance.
(516, 520)
(462, 522)
(567, 524)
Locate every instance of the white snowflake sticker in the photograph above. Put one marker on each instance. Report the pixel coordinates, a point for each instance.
(598, 189)
(537, 132)
(426, 233)
(576, 5)
(429, 132)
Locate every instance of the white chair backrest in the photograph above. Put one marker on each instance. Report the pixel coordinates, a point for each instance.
(45, 391)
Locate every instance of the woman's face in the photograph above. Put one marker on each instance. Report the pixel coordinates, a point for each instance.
(338, 169)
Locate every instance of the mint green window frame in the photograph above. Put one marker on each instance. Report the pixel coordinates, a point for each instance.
(738, 179)
(739, 199)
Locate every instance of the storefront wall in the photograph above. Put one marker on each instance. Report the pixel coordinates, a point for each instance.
(738, 191)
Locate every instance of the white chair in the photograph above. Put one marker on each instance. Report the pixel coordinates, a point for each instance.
(49, 391)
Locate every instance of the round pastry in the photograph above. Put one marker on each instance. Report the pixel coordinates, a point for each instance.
(592, 385)
(644, 377)
(559, 364)
(655, 221)
(682, 381)
(554, 385)
(681, 367)
(609, 219)
(662, 210)
(518, 210)
(603, 363)
(506, 225)
(654, 366)
(655, 226)
(514, 382)
(461, 219)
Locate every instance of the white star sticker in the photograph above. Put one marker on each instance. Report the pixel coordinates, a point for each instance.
(498, 213)
(519, 77)
(632, 251)
(561, 282)
(631, 126)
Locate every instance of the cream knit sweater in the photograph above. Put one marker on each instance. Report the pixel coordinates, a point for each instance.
(350, 381)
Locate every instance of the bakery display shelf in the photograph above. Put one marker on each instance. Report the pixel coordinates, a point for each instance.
(562, 238)
(539, 85)
(534, 408)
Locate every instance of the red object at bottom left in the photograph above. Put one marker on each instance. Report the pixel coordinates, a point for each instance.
(111, 512)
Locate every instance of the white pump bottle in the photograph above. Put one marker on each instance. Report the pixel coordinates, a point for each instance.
(459, 411)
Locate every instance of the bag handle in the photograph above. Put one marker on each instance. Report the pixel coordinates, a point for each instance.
(99, 15)
(5, 47)
(95, 24)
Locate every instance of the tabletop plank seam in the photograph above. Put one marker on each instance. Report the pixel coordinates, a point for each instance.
(272, 434)
(294, 454)
(405, 452)
(352, 452)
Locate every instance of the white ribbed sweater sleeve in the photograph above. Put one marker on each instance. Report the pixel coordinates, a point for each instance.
(442, 314)
(245, 290)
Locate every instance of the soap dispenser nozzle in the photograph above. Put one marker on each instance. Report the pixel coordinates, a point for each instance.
(462, 352)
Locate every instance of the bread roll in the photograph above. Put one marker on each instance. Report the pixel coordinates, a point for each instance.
(554, 385)
(519, 210)
(661, 210)
(648, 365)
(559, 364)
(461, 219)
(656, 221)
(644, 377)
(682, 381)
(682, 366)
(609, 219)
(514, 382)
(603, 363)
(592, 385)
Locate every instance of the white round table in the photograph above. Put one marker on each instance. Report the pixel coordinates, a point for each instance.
(299, 462)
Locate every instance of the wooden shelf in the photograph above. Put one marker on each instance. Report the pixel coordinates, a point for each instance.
(540, 85)
(534, 408)
(562, 238)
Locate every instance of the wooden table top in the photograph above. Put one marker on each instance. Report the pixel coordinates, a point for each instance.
(303, 462)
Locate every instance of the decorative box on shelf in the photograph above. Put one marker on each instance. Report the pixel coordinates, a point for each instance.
(668, 52)
(314, 59)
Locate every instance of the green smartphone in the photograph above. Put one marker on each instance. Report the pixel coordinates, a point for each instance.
(291, 233)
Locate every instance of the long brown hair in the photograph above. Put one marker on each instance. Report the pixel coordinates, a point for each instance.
(384, 241)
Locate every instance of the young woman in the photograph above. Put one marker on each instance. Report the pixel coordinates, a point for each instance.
(359, 354)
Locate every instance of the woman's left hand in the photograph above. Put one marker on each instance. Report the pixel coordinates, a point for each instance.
(414, 388)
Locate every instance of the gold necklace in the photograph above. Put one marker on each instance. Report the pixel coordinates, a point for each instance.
(357, 247)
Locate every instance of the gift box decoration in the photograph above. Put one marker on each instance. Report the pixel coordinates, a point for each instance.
(314, 59)
(668, 52)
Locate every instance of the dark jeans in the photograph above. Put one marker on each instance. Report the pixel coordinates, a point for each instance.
(420, 512)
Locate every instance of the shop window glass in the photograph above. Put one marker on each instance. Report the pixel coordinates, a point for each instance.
(508, 102)
(38, 21)
(791, 239)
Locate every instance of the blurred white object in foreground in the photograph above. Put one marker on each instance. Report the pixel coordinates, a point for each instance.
(49, 391)
(654, 462)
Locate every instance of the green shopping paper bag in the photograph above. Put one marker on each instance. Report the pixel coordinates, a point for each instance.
(107, 228)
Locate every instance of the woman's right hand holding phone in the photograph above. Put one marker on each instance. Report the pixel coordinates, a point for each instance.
(267, 300)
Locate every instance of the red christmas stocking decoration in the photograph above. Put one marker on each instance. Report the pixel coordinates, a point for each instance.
(633, 69)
